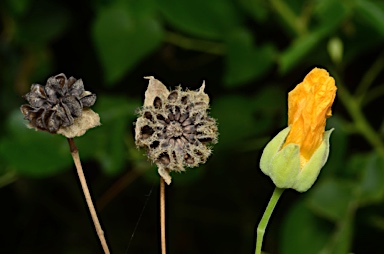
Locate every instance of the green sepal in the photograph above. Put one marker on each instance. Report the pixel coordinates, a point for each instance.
(311, 169)
(282, 166)
(285, 166)
(271, 149)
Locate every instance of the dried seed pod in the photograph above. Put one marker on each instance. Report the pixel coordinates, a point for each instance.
(175, 128)
(61, 106)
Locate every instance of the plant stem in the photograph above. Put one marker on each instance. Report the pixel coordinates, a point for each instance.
(370, 75)
(362, 125)
(264, 220)
(162, 215)
(116, 188)
(88, 199)
(184, 42)
(285, 12)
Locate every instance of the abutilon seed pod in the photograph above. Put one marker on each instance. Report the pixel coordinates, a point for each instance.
(175, 128)
(56, 106)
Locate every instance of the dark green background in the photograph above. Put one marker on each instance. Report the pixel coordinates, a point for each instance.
(250, 54)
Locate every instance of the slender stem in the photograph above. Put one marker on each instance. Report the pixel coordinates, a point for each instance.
(373, 94)
(181, 41)
(116, 188)
(370, 76)
(362, 124)
(88, 199)
(162, 215)
(285, 12)
(264, 220)
(8, 178)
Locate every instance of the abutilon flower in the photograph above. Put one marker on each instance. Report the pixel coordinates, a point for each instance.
(61, 106)
(295, 156)
(175, 128)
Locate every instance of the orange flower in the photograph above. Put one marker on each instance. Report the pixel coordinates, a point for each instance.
(309, 105)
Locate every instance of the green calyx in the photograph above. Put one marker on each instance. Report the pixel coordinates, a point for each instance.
(283, 165)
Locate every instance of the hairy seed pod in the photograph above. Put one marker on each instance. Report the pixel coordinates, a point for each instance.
(175, 128)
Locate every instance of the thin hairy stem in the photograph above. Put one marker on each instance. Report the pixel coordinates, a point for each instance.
(87, 195)
(162, 215)
(264, 220)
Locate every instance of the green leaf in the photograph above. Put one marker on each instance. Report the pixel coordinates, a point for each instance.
(331, 199)
(190, 176)
(270, 101)
(33, 153)
(372, 14)
(40, 24)
(245, 118)
(207, 19)
(106, 143)
(299, 49)
(18, 7)
(337, 150)
(356, 44)
(45, 154)
(235, 117)
(302, 231)
(256, 8)
(331, 14)
(244, 60)
(123, 37)
(372, 179)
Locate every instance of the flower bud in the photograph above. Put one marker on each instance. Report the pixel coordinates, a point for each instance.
(294, 158)
(283, 165)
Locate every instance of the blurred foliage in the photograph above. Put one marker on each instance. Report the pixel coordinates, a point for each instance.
(250, 54)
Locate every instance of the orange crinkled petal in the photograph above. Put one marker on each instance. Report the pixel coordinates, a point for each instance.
(309, 105)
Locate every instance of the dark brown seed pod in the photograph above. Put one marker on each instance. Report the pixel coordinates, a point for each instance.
(61, 106)
(175, 128)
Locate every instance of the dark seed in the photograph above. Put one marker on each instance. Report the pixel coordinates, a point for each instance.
(179, 143)
(88, 100)
(189, 121)
(148, 115)
(189, 159)
(184, 100)
(183, 117)
(200, 104)
(189, 129)
(155, 144)
(164, 158)
(184, 140)
(172, 96)
(165, 144)
(190, 137)
(146, 132)
(171, 116)
(177, 114)
(157, 103)
(205, 140)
